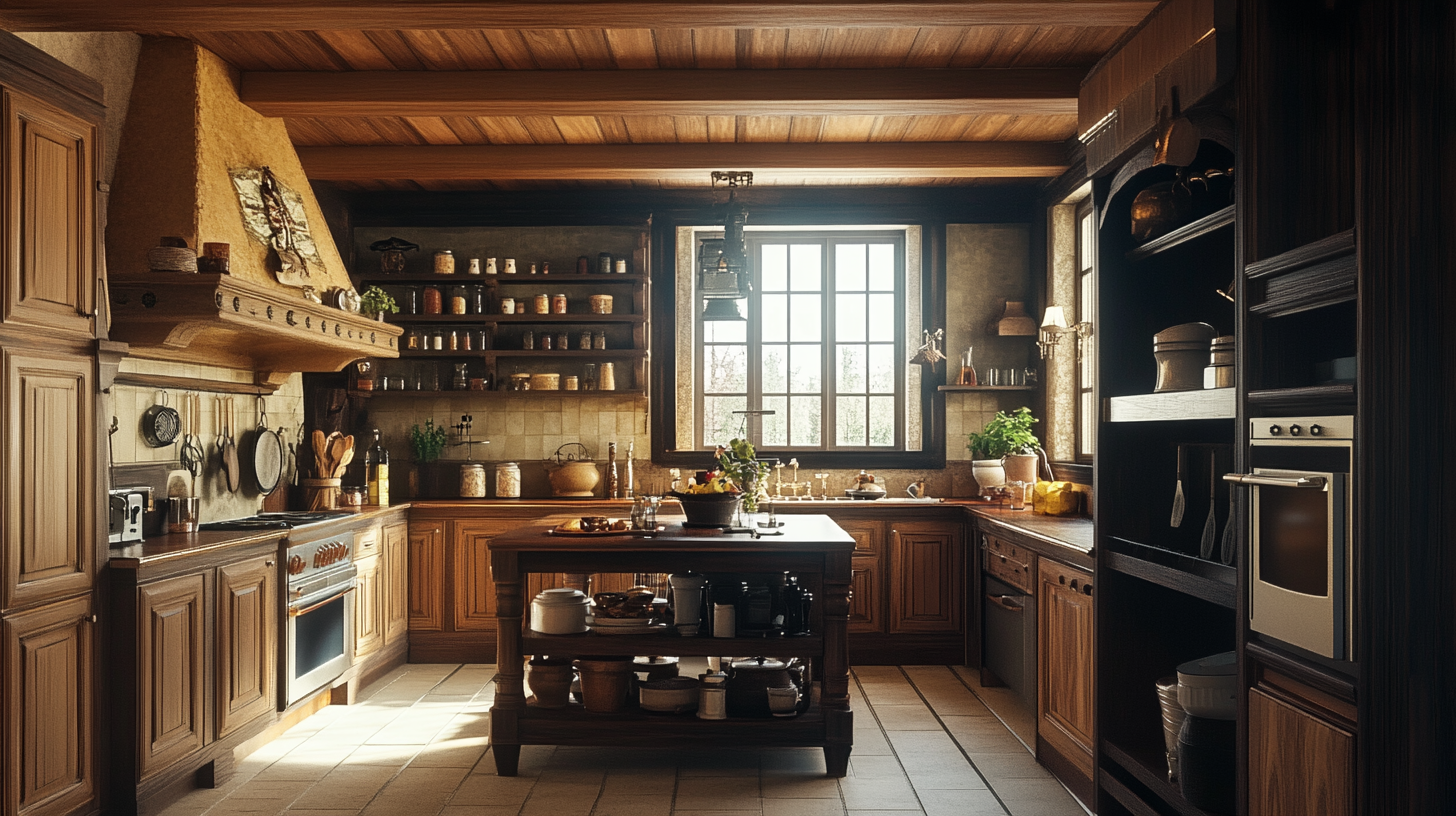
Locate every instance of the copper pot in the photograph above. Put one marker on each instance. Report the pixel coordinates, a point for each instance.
(1158, 209)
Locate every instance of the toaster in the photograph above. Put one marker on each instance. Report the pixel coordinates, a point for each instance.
(127, 506)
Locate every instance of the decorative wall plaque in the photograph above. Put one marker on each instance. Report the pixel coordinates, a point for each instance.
(274, 216)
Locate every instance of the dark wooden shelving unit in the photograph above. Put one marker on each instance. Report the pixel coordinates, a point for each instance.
(986, 388)
(490, 280)
(495, 319)
(1201, 578)
(495, 395)
(1149, 768)
(584, 643)
(1187, 233)
(1307, 399)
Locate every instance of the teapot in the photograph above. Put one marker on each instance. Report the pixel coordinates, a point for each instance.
(572, 474)
(749, 680)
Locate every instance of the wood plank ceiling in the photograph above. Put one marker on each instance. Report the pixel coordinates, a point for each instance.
(551, 103)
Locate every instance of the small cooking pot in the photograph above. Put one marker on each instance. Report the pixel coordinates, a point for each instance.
(573, 474)
(750, 679)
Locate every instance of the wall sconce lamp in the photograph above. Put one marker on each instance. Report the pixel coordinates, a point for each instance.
(1054, 325)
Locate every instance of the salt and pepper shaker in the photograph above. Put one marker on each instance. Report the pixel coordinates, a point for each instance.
(627, 488)
(611, 489)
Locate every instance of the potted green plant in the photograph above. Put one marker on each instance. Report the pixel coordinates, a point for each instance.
(738, 462)
(427, 443)
(1006, 447)
(375, 301)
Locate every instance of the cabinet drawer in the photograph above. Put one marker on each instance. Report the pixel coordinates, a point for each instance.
(1016, 570)
(1006, 549)
(366, 543)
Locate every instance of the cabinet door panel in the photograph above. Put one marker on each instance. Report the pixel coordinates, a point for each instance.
(49, 467)
(927, 581)
(395, 568)
(474, 608)
(869, 536)
(1065, 623)
(48, 698)
(171, 698)
(868, 596)
(426, 577)
(1298, 763)
(368, 609)
(51, 213)
(247, 642)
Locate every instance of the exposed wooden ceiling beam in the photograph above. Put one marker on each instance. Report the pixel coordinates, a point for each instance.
(897, 92)
(686, 161)
(288, 15)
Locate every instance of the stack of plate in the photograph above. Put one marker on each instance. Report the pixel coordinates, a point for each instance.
(625, 626)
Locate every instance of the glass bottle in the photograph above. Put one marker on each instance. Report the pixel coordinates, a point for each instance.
(376, 471)
(457, 300)
(968, 371)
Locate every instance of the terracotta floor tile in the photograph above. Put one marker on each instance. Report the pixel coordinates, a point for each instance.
(803, 807)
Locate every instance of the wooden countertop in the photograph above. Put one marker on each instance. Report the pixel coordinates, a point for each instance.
(187, 545)
(800, 533)
(1074, 532)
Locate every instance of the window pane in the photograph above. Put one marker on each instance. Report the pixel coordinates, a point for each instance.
(776, 427)
(882, 421)
(1087, 416)
(1085, 249)
(774, 268)
(882, 368)
(805, 267)
(775, 371)
(849, 318)
(805, 327)
(1084, 302)
(774, 320)
(725, 369)
(720, 424)
(882, 318)
(726, 331)
(805, 364)
(849, 267)
(805, 419)
(882, 267)
(851, 371)
(850, 422)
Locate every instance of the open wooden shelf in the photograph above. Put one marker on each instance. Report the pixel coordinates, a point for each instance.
(1307, 398)
(669, 644)
(1188, 232)
(639, 728)
(1150, 768)
(986, 388)
(492, 319)
(499, 395)
(466, 279)
(1207, 580)
(1210, 403)
(567, 354)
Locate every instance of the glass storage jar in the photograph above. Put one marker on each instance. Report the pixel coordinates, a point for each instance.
(507, 480)
(444, 262)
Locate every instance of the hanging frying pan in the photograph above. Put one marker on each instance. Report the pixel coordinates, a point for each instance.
(267, 447)
(160, 423)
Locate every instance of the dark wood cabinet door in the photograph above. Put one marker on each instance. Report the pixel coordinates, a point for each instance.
(395, 569)
(50, 214)
(49, 506)
(1064, 662)
(866, 604)
(426, 576)
(368, 606)
(927, 578)
(247, 643)
(172, 692)
(49, 742)
(1298, 763)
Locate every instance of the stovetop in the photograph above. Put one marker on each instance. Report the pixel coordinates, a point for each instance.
(272, 521)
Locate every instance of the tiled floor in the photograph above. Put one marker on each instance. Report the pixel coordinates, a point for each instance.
(415, 745)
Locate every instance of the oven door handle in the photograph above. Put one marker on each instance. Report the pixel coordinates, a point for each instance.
(294, 612)
(1314, 482)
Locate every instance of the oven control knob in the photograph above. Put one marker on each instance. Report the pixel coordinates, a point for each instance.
(1315, 430)
(295, 565)
(1295, 430)
(1275, 430)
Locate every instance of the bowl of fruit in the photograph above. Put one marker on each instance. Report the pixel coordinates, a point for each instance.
(711, 502)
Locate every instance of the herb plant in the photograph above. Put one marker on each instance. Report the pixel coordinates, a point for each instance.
(1005, 434)
(737, 460)
(428, 443)
(376, 301)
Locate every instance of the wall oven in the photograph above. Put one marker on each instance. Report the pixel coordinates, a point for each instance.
(318, 630)
(1302, 563)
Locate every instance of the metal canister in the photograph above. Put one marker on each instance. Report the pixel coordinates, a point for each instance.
(713, 697)
(604, 263)
(607, 378)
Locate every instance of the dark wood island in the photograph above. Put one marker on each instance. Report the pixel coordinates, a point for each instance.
(812, 547)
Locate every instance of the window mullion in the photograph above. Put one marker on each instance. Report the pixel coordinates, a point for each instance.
(828, 331)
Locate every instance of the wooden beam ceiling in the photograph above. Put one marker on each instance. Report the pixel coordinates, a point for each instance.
(690, 162)
(332, 15)
(901, 92)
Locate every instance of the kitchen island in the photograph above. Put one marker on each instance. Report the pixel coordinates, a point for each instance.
(811, 546)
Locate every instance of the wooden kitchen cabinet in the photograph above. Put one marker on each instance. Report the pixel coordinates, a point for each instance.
(927, 577)
(171, 662)
(246, 676)
(1064, 665)
(395, 565)
(473, 606)
(427, 576)
(50, 206)
(368, 606)
(50, 468)
(1299, 762)
(49, 728)
(867, 601)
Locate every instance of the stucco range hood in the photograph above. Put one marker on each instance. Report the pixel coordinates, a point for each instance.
(226, 321)
(187, 140)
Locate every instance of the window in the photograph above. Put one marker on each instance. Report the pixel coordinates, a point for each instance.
(832, 318)
(823, 347)
(1087, 350)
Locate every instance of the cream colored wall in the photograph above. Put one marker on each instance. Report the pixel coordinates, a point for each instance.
(111, 58)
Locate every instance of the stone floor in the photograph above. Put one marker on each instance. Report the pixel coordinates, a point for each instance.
(416, 745)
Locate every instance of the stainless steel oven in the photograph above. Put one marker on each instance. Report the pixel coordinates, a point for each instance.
(318, 633)
(1301, 565)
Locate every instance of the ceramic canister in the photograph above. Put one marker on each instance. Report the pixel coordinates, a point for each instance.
(559, 611)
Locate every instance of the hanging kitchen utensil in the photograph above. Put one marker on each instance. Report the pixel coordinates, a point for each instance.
(232, 469)
(1226, 549)
(1210, 527)
(160, 423)
(1180, 503)
(192, 455)
(267, 453)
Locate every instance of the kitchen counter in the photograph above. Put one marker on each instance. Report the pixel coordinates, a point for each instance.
(1073, 532)
(187, 545)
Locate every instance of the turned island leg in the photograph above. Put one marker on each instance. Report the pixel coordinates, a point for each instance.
(510, 692)
(838, 719)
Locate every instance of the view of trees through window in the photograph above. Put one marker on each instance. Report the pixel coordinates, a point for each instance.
(821, 347)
